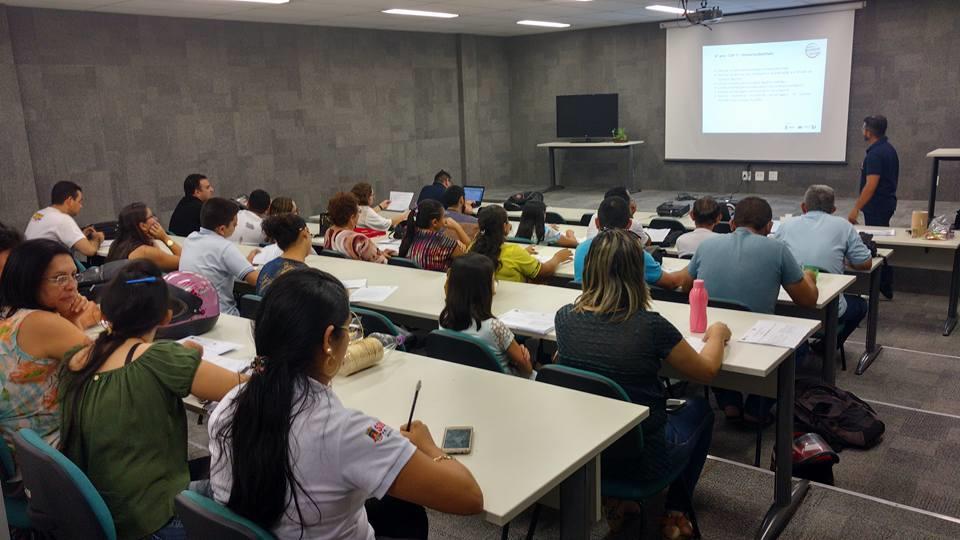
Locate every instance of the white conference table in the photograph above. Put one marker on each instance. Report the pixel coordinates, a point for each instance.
(757, 369)
(573, 216)
(943, 255)
(528, 441)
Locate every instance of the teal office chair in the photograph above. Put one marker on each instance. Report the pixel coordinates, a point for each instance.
(404, 262)
(206, 518)
(519, 240)
(16, 507)
(461, 348)
(62, 502)
(331, 253)
(626, 448)
(249, 305)
(374, 321)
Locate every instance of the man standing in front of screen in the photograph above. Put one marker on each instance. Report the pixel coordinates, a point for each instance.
(878, 186)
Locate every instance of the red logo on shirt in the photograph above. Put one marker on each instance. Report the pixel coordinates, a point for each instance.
(376, 432)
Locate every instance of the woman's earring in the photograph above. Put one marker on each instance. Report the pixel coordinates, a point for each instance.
(329, 350)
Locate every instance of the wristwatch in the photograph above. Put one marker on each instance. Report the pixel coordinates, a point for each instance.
(169, 242)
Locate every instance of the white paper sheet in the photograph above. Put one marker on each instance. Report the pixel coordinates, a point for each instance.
(697, 343)
(388, 243)
(775, 333)
(400, 201)
(227, 363)
(776, 226)
(211, 347)
(354, 283)
(529, 321)
(372, 294)
(878, 232)
(657, 235)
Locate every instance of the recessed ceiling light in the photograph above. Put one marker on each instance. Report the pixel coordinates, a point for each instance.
(668, 9)
(544, 23)
(418, 13)
(265, 1)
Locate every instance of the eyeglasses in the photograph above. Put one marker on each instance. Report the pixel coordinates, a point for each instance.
(64, 279)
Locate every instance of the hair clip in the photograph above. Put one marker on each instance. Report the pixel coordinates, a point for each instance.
(150, 279)
(107, 326)
(259, 364)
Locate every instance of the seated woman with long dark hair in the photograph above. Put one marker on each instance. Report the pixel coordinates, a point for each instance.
(287, 455)
(611, 331)
(425, 241)
(41, 315)
(124, 423)
(294, 242)
(533, 226)
(512, 261)
(138, 236)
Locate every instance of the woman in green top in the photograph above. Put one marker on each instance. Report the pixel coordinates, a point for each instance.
(512, 261)
(123, 419)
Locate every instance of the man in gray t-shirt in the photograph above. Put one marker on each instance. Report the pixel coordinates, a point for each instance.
(747, 267)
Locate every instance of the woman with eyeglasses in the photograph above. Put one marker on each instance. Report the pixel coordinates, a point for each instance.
(124, 422)
(286, 453)
(41, 316)
(293, 239)
(140, 236)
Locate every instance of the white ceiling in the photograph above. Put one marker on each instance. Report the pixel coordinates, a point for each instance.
(485, 17)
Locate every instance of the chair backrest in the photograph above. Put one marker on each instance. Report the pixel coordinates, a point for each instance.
(7, 467)
(62, 501)
(722, 228)
(332, 253)
(375, 322)
(461, 348)
(204, 517)
(249, 304)
(554, 218)
(665, 223)
(725, 303)
(687, 256)
(519, 240)
(585, 220)
(404, 262)
(627, 446)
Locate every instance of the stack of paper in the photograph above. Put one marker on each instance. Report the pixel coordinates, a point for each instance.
(775, 333)
(211, 347)
(372, 294)
(400, 201)
(528, 321)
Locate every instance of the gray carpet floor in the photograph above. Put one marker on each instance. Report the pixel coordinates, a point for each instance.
(900, 488)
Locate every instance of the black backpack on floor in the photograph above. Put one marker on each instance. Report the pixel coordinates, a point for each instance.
(841, 418)
(516, 201)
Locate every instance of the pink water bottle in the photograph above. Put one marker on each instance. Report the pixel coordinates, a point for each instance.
(698, 307)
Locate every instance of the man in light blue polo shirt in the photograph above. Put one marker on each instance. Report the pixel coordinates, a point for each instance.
(820, 239)
(747, 267)
(208, 252)
(614, 213)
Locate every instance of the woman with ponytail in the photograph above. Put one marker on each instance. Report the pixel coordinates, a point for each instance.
(124, 422)
(512, 261)
(533, 226)
(425, 241)
(287, 455)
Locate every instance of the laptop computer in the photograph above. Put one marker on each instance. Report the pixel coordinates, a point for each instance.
(474, 193)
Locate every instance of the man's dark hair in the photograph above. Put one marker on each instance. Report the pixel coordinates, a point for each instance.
(619, 191)
(9, 238)
(192, 183)
(218, 211)
(753, 212)
(614, 213)
(258, 201)
(452, 196)
(441, 176)
(64, 190)
(876, 124)
(705, 211)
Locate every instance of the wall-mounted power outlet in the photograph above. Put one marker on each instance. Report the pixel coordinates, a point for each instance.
(758, 176)
(745, 176)
(773, 176)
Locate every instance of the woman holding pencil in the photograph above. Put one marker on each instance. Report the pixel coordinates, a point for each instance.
(287, 455)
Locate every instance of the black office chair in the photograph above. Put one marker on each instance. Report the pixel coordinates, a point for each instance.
(554, 218)
(331, 253)
(518, 240)
(206, 518)
(585, 220)
(687, 256)
(62, 502)
(626, 448)
(722, 228)
(666, 223)
(463, 349)
(249, 305)
(404, 262)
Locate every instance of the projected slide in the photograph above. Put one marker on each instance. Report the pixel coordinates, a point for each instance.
(764, 87)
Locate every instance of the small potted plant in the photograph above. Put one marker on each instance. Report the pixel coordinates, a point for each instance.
(620, 135)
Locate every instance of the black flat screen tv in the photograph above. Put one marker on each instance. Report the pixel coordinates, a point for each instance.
(587, 115)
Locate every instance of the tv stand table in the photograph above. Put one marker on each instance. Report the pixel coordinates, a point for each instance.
(609, 145)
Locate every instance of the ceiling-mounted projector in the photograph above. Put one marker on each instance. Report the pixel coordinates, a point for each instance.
(705, 15)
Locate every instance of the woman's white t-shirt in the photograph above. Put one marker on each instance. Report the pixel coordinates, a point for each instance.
(370, 219)
(342, 458)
